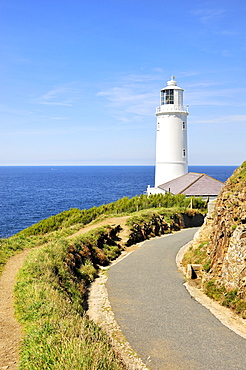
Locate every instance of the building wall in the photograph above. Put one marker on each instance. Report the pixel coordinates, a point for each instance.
(171, 147)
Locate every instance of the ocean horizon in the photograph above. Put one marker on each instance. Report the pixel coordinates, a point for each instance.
(31, 193)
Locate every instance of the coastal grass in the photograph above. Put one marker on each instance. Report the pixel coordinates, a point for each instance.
(230, 299)
(68, 222)
(212, 288)
(123, 206)
(237, 180)
(51, 288)
(50, 293)
(198, 255)
(19, 242)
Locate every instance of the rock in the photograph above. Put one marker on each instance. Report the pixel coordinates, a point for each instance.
(225, 232)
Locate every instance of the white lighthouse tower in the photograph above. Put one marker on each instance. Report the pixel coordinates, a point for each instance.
(171, 135)
(171, 168)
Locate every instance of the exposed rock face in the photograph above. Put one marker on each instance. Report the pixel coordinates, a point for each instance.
(226, 233)
(155, 225)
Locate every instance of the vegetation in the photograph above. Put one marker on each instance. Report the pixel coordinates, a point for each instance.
(238, 178)
(151, 223)
(198, 256)
(227, 217)
(52, 285)
(227, 298)
(18, 242)
(68, 222)
(122, 206)
(49, 303)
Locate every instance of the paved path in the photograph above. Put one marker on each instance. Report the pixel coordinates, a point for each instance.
(166, 327)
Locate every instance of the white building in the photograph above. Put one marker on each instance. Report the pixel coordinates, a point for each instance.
(171, 135)
(171, 168)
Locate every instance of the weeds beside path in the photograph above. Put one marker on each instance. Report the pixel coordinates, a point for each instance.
(109, 221)
(10, 329)
(11, 332)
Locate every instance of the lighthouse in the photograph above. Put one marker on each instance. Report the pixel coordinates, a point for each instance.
(171, 167)
(171, 135)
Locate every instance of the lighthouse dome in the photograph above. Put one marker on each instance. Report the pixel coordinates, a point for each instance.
(172, 84)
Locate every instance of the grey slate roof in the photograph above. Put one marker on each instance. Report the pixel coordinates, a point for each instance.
(193, 184)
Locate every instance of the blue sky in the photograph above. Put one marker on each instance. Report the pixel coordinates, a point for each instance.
(80, 79)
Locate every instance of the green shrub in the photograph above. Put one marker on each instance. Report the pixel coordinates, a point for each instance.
(121, 206)
(214, 291)
(240, 307)
(50, 291)
(198, 255)
(230, 298)
(207, 265)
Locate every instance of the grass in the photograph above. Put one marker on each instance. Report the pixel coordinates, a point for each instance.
(68, 222)
(232, 197)
(226, 298)
(51, 287)
(18, 242)
(198, 256)
(122, 206)
(237, 180)
(211, 288)
(49, 304)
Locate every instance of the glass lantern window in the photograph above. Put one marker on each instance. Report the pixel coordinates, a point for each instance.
(167, 97)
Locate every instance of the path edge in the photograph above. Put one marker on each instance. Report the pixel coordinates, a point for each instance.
(101, 312)
(223, 314)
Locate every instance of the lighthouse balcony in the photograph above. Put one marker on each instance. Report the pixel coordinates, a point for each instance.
(172, 108)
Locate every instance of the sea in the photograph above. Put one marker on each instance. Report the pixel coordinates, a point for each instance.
(29, 194)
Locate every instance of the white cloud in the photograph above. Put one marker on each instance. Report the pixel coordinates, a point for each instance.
(222, 119)
(62, 95)
(15, 111)
(228, 33)
(136, 95)
(130, 95)
(134, 98)
(206, 15)
(215, 96)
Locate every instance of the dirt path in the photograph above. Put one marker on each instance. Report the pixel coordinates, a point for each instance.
(10, 329)
(112, 221)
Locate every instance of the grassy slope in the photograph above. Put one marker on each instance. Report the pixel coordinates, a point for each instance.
(52, 284)
(49, 301)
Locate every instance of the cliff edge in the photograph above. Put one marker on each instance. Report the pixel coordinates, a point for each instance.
(220, 247)
(227, 246)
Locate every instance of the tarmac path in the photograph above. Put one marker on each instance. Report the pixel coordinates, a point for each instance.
(163, 324)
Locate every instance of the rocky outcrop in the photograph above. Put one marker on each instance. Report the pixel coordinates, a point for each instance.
(154, 224)
(227, 245)
(225, 234)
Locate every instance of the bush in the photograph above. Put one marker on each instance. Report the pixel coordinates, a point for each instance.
(230, 299)
(49, 293)
(214, 291)
(121, 206)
